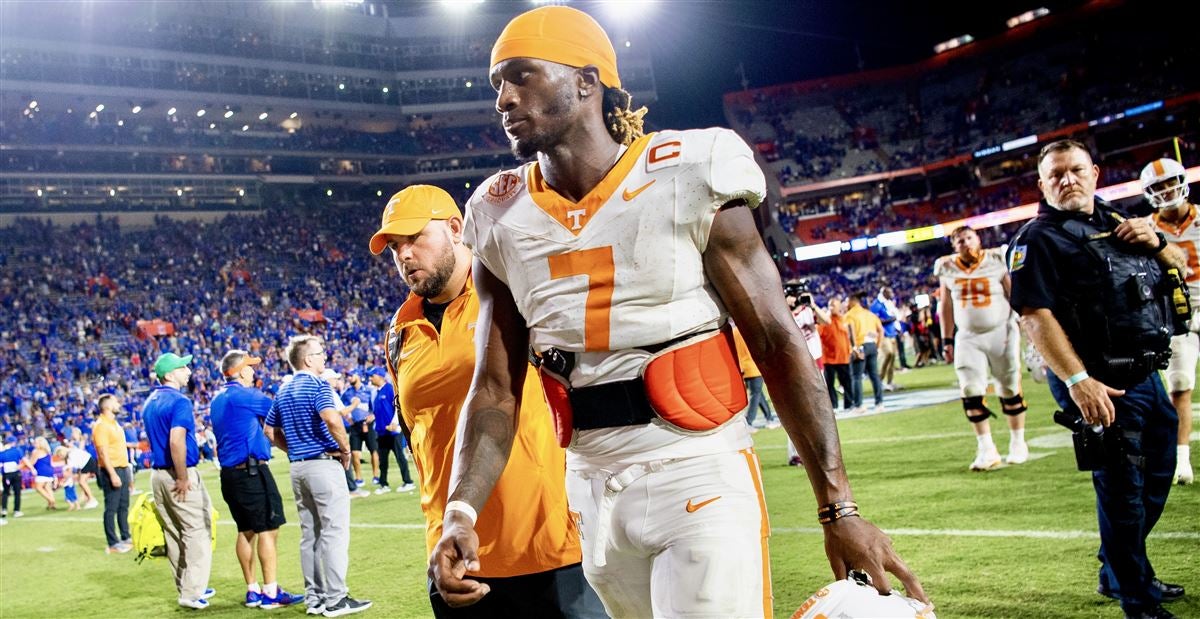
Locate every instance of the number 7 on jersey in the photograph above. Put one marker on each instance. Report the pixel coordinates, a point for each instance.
(597, 265)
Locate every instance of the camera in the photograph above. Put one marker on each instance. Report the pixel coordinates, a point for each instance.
(806, 298)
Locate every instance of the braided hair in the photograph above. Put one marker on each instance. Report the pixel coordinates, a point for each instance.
(623, 124)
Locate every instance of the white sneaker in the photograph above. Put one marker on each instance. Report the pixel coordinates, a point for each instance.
(3, 521)
(196, 604)
(1018, 453)
(18, 514)
(382, 490)
(986, 459)
(772, 424)
(407, 488)
(92, 504)
(359, 493)
(1183, 473)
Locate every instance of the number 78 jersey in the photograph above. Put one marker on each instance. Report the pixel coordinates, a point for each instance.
(621, 268)
(977, 291)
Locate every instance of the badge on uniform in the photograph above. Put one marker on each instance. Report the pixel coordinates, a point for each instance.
(1016, 259)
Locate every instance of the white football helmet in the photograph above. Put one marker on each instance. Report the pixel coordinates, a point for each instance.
(852, 599)
(1164, 181)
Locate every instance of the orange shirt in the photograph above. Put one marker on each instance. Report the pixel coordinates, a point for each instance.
(835, 340)
(525, 526)
(749, 368)
(109, 439)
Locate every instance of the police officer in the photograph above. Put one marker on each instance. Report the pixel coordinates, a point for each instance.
(1092, 291)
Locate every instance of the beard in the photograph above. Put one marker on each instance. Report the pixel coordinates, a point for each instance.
(558, 114)
(435, 283)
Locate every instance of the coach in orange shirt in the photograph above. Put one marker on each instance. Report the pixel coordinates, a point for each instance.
(529, 553)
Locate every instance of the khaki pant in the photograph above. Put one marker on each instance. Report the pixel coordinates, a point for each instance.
(187, 527)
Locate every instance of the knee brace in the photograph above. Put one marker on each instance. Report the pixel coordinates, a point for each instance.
(975, 403)
(1013, 406)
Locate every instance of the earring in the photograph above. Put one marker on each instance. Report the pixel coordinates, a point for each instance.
(582, 92)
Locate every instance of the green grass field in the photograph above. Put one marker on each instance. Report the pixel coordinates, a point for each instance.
(1015, 542)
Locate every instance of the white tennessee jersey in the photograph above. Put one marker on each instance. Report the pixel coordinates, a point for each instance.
(622, 267)
(977, 292)
(1186, 236)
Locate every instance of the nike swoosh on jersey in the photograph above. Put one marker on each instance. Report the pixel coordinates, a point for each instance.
(629, 195)
(692, 507)
(404, 354)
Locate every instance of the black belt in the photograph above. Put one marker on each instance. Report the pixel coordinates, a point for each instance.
(611, 405)
(320, 456)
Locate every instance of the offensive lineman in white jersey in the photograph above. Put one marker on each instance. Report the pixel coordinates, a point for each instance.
(974, 297)
(1164, 182)
(617, 258)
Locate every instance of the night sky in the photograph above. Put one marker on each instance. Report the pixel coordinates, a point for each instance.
(697, 45)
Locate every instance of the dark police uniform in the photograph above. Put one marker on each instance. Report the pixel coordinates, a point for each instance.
(1113, 303)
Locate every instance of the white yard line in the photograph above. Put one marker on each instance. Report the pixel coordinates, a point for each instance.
(406, 526)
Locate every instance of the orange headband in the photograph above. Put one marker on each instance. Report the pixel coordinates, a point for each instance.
(559, 34)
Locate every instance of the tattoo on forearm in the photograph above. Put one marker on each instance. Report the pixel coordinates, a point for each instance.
(487, 442)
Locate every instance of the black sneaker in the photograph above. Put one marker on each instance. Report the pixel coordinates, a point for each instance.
(347, 606)
(1158, 612)
(1167, 591)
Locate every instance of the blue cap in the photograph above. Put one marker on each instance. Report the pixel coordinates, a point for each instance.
(377, 371)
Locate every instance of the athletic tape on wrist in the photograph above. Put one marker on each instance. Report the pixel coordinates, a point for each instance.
(464, 508)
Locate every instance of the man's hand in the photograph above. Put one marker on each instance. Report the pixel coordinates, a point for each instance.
(1138, 231)
(852, 543)
(1094, 400)
(115, 479)
(344, 458)
(948, 352)
(182, 486)
(455, 554)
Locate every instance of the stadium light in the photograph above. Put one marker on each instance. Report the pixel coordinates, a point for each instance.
(39, 193)
(178, 193)
(262, 116)
(112, 192)
(32, 104)
(171, 112)
(329, 193)
(341, 86)
(460, 6)
(92, 115)
(386, 90)
(100, 108)
(228, 113)
(1027, 16)
(468, 84)
(467, 185)
(946, 46)
(136, 109)
(628, 43)
(378, 193)
(626, 10)
(212, 125)
(241, 192)
(120, 123)
(201, 112)
(245, 127)
(294, 114)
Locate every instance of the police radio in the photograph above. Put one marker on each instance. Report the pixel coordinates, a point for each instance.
(1180, 302)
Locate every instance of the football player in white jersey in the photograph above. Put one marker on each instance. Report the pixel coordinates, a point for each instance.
(616, 259)
(974, 298)
(1164, 182)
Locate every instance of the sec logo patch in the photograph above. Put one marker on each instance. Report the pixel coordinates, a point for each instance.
(503, 188)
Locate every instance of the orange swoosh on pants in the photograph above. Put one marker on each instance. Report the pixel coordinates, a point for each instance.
(691, 507)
